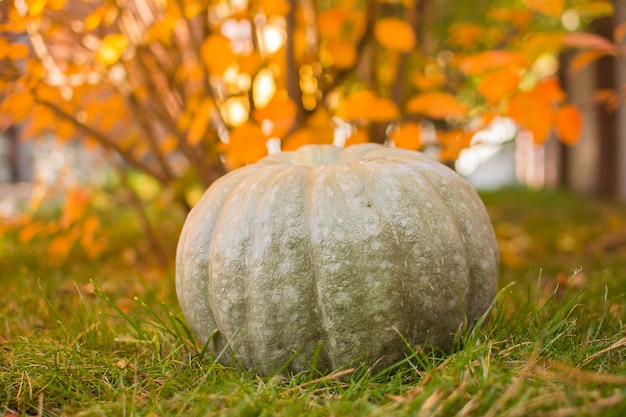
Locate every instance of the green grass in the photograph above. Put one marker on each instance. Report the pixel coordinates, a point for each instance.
(108, 339)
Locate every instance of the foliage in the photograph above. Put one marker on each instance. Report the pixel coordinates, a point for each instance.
(102, 338)
(184, 90)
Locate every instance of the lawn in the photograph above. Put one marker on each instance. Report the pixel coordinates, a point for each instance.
(107, 338)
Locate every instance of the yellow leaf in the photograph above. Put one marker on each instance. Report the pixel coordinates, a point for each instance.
(494, 86)
(569, 122)
(35, 7)
(437, 105)
(217, 54)
(552, 8)
(342, 53)
(112, 48)
(200, 122)
(489, 60)
(407, 136)
(395, 34)
(93, 20)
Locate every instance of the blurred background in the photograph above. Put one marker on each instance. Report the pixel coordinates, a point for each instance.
(122, 112)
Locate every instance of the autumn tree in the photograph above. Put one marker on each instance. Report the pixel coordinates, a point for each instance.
(185, 90)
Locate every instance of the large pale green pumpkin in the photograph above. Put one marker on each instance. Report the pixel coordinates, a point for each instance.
(332, 256)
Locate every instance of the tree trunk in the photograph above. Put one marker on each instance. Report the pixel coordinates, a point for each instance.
(607, 119)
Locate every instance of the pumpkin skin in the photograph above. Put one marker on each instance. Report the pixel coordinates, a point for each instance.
(332, 256)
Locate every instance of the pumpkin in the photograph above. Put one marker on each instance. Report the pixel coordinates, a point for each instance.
(326, 256)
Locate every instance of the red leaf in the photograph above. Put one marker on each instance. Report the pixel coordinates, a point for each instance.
(588, 41)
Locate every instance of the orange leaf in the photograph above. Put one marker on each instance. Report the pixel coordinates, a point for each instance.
(488, 60)
(395, 34)
(274, 7)
(569, 122)
(29, 231)
(342, 53)
(452, 143)
(200, 122)
(437, 105)
(539, 43)
(594, 9)
(281, 111)
(619, 33)
(365, 105)
(245, 146)
(585, 58)
(533, 110)
(17, 51)
(466, 35)
(250, 63)
(359, 135)
(56, 4)
(428, 81)
(330, 22)
(299, 138)
(112, 48)
(519, 18)
(551, 89)
(217, 54)
(407, 136)
(548, 7)
(494, 86)
(61, 246)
